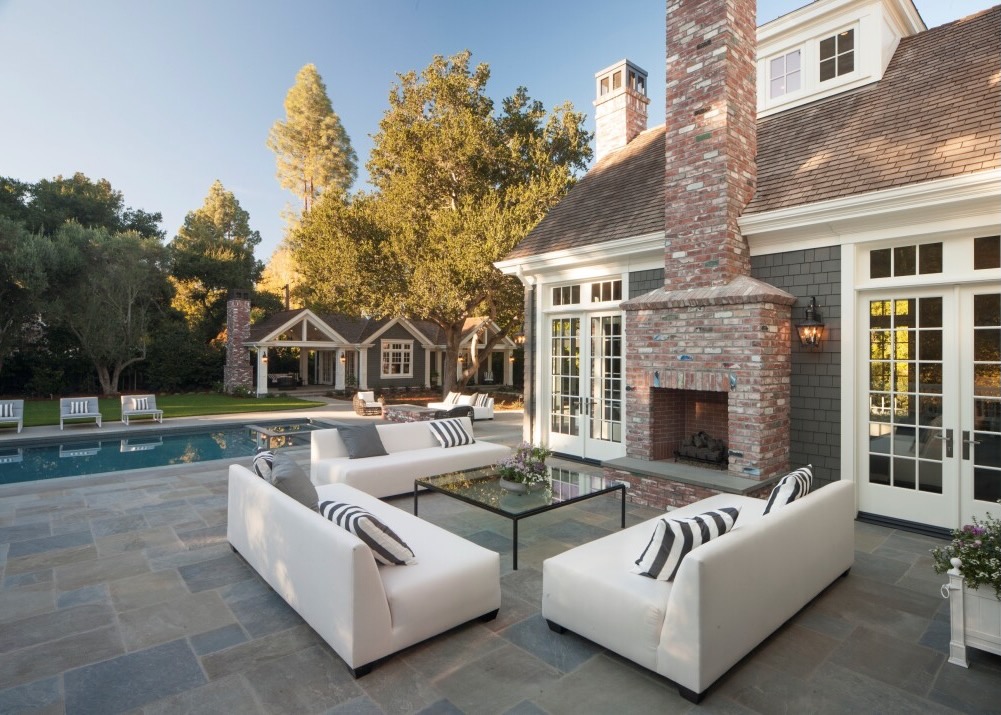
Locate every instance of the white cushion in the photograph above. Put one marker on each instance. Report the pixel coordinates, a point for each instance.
(673, 539)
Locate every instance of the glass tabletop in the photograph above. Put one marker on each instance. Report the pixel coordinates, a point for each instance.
(482, 487)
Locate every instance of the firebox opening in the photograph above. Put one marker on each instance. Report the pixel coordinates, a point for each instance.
(679, 415)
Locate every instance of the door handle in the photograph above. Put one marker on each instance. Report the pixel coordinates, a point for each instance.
(967, 442)
(948, 442)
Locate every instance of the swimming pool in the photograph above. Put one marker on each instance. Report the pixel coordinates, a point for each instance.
(142, 450)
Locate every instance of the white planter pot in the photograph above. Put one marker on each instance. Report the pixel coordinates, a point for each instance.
(974, 615)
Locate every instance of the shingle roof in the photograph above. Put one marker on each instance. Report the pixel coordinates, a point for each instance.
(621, 196)
(934, 114)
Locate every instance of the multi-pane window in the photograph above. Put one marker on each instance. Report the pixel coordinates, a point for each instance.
(986, 252)
(920, 259)
(566, 295)
(837, 55)
(606, 291)
(785, 74)
(397, 358)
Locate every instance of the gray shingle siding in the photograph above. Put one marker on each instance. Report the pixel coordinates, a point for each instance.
(816, 393)
(641, 282)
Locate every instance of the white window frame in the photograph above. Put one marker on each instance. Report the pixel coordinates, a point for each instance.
(856, 56)
(405, 350)
(784, 56)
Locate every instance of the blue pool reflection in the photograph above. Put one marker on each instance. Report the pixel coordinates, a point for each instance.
(74, 457)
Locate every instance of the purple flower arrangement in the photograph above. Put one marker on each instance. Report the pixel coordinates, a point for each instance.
(978, 548)
(526, 465)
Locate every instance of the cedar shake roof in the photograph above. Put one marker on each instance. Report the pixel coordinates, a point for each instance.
(934, 114)
(621, 196)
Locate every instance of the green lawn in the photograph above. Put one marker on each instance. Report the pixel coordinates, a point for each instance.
(46, 412)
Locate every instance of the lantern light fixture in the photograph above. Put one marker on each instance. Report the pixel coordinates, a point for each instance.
(811, 330)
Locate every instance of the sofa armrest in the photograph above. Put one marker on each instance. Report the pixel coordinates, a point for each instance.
(735, 591)
(325, 573)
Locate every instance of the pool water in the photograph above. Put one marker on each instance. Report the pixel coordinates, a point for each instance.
(74, 457)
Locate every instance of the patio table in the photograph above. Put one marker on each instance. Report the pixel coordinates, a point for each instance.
(481, 488)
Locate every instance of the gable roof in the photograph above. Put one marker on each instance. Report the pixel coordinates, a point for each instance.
(933, 115)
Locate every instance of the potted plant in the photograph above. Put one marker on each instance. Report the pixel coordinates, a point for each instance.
(526, 467)
(973, 562)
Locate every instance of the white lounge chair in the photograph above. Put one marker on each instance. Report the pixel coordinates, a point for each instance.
(12, 412)
(78, 408)
(140, 406)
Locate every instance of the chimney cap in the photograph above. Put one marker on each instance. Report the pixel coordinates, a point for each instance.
(619, 77)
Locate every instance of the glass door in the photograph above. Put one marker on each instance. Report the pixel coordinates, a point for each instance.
(565, 385)
(586, 385)
(980, 428)
(932, 423)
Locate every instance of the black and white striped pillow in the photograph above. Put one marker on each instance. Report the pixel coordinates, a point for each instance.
(78, 407)
(450, 432)
(263, 462)
(673, 539)
(142, 403)
(481, 399)
(386, 546)
(453, 398)
(6, 409)
(790, 488)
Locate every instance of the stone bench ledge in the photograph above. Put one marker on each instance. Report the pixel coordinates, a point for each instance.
(715, 479)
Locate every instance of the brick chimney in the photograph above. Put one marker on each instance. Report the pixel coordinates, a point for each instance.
(237, 371)
(620, 104)
(710, 351)
(711, 140)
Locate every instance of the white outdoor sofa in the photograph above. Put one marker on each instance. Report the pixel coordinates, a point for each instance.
(413, 452)
(140, 406)
(12, 413)
(78, 408)
(728, 595)
(329, 576)
(480, 412)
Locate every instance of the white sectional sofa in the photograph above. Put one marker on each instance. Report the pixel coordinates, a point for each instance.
(413, 452)
(480, 412)
(728, 595)
(328, 575)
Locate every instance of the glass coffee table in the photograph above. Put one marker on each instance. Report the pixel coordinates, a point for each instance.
(481, 488)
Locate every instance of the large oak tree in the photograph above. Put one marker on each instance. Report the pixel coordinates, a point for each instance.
(457, 185)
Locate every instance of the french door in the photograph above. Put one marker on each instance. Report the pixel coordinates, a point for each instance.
(585, 395)
(931, 429)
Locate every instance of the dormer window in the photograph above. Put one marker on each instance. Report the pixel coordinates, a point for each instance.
(785, 74)
(837, 55)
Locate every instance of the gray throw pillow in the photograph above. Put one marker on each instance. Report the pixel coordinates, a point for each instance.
(289, 478)
(362, 441)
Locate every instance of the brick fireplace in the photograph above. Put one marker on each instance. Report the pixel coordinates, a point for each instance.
(712, 336)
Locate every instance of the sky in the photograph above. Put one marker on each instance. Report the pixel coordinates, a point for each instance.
(163, 97)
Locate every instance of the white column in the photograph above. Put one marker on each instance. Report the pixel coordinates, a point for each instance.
(339, 359)
(508, 368)
(262, 371)
(363, 369)
(427, 366)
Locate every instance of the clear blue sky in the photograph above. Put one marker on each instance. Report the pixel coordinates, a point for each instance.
(163, 97)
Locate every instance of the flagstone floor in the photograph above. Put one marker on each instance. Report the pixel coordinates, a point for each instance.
(119, 593)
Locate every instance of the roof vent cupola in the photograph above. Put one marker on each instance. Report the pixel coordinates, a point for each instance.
(620, 106)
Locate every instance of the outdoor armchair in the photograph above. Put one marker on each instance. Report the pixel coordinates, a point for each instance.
(366, 404)
(78, 408)
(12, 412)
(140, 406)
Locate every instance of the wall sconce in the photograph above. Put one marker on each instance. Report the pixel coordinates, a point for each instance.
(519, 339)
(462, 359)
(264, 357)
(811, 330)
(510, 359)
(343, 358)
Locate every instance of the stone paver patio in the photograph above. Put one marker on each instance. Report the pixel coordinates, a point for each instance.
(119, 593)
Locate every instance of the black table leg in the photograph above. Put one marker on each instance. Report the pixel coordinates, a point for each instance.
(415, 499)
(623, 490)
(514, 545)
